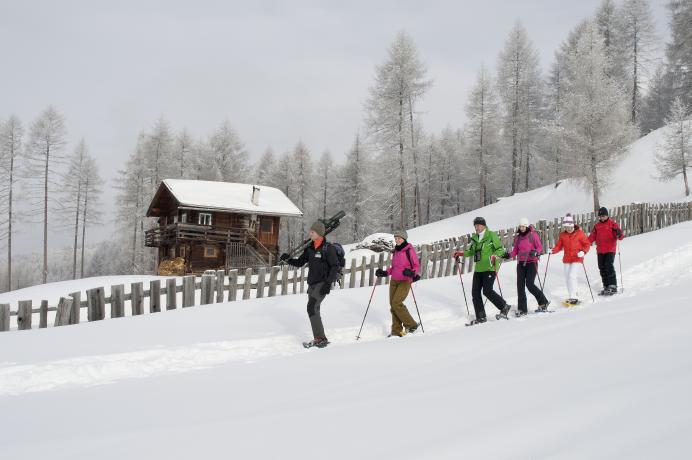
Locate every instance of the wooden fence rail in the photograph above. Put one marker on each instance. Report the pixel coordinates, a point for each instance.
(437, 260)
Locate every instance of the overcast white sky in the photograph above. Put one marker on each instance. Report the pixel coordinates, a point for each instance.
(278, 71)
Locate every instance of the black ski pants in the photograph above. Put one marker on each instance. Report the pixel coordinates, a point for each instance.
(483, 283)
(606, 265)
(526, 277)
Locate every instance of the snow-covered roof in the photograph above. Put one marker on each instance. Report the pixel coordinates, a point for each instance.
(227, 196)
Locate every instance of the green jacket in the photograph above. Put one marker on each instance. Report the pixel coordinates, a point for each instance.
(488, 246)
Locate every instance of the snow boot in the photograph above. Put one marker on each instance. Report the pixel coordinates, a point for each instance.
(413, 329)
(543, 308)
(319, 342)
(504, 312)
(473, 322)
(520, 313)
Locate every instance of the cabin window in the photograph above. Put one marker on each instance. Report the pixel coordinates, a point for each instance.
(204, 218)
(267, 225)
(210, 252)
(183, 217)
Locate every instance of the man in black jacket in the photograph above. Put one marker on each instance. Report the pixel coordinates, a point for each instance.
(323, 270)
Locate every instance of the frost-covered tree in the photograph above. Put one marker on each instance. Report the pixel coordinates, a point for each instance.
(44, 154)
(355, 193)
(597, 126)
(482, 132)
(72, 191)
(609, 23)
(182, 149)
(639, 41)
(158, 154)
(303, 186)
(554, 140)
(325, 184)
(264, 167)
(518, 81)
(656, 102)
(91, 197)
(675, 158)
(228, 154)
(11, 135)
(400, 82)
(679, 51)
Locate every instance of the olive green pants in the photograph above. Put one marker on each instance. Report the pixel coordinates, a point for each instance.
(401, 318)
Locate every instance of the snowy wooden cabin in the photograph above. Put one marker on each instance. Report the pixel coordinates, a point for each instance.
(217, 225)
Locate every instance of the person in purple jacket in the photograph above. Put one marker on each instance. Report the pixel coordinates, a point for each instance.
(404, 271)
(527, 247)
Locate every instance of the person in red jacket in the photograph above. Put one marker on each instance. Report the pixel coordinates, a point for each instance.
(606, 234)
(575, 244)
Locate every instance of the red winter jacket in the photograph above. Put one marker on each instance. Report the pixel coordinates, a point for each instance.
(572, 243)
(606, 234)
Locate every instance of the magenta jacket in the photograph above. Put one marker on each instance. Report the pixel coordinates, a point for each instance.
(524, 244)
(400, 261)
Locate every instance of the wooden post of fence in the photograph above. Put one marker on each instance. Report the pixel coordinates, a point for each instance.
(380, 265)
(424, 261)
(137, 298)
(371, 271)
(43, 315)
(154, 296)
(284, 279)
(261, 273)
(273, 276)
(118, 301)
(96, 304)
(247, 285)
(24, 314)
(188, 291)
(62, 316)
(388, 263)
(232, 285)
(352, 274)
(4, 317)
(207, 290)
(363, 265)
(220, 285)
(171, 294)
(76, 307)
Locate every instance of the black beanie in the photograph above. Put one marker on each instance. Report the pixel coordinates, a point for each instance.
(603, 212)
(479, 220)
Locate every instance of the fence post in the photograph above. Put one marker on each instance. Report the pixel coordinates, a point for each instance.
(62, 316)
(363, 264)
(352, 274)
(232, 285)
(388, 263)
(171, 294)
(247, 285)
(24, 314)
(4, 317)
(424, 261)
(273, 275)
(371, 273)
(137, 298)
(207, 290)
(284, 279)
(154, 296)
(76, 307)
(43, 315)
(118, 301)
(188, 291)
(96, 304)
(220, 285)
(261, 273)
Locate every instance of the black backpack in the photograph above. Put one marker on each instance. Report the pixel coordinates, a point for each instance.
(340, 255)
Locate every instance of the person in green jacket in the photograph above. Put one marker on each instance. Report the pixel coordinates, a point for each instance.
(486, 249)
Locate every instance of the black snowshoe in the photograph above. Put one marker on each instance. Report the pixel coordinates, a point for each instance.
(503, 313)
(473, 322)
(520, 313)
(319, 343)
(543, 308)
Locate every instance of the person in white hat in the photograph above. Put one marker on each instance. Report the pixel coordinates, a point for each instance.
(575, 244)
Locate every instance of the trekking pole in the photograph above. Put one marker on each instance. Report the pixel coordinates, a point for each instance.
(622, 281)
(545, 273)
(497, 278)
(417, 311)
(587, 281)
(366, 310)
(461, 278)
(540, 284)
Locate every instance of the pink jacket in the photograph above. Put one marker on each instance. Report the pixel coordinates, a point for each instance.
(523, 245)
(400, 262)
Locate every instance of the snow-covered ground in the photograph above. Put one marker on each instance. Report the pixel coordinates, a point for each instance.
(605, 380)
(633, 180)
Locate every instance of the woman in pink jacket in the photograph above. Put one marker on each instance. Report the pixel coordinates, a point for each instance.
(527, 247)
(404, 271)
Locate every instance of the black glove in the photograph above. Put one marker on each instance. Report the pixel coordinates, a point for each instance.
(408, 272)
(533, 253)
(617, 232)
(380, 273)
(506, 256)
(326, 287)
(284, 257)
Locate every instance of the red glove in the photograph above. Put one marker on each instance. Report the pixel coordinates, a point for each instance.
(458, 253)
(493, 259)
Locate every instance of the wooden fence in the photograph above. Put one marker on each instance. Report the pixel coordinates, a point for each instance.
(437, 260)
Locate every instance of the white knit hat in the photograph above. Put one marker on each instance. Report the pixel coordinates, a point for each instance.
(524, 222)
(568, 221)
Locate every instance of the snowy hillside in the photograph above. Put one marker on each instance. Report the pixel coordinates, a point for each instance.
(632, 181)
(605, 380)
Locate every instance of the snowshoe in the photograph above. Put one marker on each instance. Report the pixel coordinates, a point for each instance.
(571, 302)
(503, 313)
(319, 343)
(544, 308)
(520, 313)
(399, 334)
(411, 330)
(473, 322)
